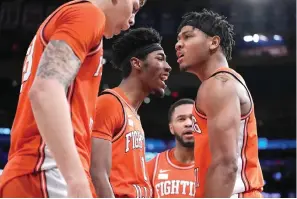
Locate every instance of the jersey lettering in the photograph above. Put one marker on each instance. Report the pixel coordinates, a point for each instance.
(142, 192)
(175, 187)
(27, 67)
(99, 71)
(137, 139)
(196, 127)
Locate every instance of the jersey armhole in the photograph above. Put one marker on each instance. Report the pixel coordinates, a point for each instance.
(155, 168)
(118, 134)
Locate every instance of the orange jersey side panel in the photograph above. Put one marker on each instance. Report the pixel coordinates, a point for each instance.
(249, 174)
(70, 23)
(170, 178)
(128, 177)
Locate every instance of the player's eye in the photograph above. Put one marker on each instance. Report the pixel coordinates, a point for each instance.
(161, 58)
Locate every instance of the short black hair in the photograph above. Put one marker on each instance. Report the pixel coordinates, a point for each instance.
(177, 104)
(212, 24)
(129, 42)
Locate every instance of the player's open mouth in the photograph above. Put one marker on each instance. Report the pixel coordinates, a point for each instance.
(164, 78)
(188, 134)
(180, 57)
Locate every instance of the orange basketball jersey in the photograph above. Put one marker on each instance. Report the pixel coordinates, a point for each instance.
(249, 175)
(128, 177)
(171, 178)
(80, 24)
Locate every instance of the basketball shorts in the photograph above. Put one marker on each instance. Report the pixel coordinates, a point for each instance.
(44, 184)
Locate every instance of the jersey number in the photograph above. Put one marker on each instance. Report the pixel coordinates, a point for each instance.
(196, 127)
(27, 67)
(98, 71)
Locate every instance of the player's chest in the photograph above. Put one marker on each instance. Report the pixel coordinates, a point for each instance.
(174, 183)
(134, 134)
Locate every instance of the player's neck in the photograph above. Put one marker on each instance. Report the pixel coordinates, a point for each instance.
(205, 70)
(184, 155)
(134, 92)
(102, 4)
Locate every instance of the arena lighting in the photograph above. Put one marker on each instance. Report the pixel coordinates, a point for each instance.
(174, 94)
(277, 38)
(248, 38)
(147, 100)
(255, 38)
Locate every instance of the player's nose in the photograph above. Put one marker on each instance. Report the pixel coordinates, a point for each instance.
(132, 20)
(178, 45)
(188, 123)
(167, 67)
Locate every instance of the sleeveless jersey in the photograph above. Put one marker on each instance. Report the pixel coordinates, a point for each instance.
(170, 178)
(128, 176)
(249, 175)
(28, 152)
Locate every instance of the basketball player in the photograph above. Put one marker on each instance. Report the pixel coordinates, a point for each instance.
(226, 142)
(172, 172)
(118, 146)
(51, 134)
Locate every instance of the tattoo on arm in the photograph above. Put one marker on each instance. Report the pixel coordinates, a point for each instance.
(58, 62)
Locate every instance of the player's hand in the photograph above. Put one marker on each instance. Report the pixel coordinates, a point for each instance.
(79, 190)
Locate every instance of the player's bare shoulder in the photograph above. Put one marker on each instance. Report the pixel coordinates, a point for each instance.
(214, 90)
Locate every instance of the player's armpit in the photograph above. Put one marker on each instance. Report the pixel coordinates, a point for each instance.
(101, 166)
(109, 117)
(59, 63)
(221, 104)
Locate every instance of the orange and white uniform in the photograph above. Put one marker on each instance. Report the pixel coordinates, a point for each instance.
(117, 121)
(249, 178)
(171, 178)
(31, 170)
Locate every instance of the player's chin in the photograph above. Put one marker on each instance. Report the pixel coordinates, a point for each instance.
(159, 92)
(188, 143)
(108, 35)
(183, 67)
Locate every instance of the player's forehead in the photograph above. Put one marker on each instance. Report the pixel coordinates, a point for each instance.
(183, 110)
(186, 29)
(157, 53)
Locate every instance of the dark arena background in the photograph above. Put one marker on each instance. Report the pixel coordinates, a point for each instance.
(265, 55)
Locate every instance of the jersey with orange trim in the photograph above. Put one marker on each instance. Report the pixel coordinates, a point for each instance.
(249, 175)
(80, 24)
(128, 176)
(170, 178)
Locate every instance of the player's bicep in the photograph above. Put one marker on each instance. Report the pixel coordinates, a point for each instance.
(223, 120)
(58, 63)
(101, 157)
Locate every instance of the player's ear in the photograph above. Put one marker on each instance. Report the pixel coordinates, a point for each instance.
(214, 43)
(135, 63)
(171, 129)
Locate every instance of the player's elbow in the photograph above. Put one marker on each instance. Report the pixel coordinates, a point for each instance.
(44, 89)
(228, 164)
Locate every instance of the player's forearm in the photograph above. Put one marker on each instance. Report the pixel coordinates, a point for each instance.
(102, 184)
(220, 180)
(52, 115)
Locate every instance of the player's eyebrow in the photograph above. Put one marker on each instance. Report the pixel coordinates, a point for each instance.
(184, 115)
(183, 33)
(162, 54)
